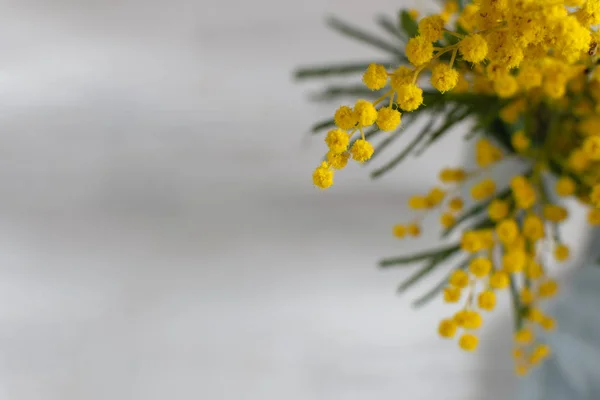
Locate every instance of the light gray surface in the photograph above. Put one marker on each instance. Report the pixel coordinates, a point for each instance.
(160, 236)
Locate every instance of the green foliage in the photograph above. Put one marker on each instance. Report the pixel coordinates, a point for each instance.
(365, 37)
(335, 69)
(409, 25)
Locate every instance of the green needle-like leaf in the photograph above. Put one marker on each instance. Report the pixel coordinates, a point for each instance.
(409, 25)
(388, 262)
(425, 270)
(389, 26)
(516, 301)
(325, 124)
(451, 119)
(332, 92)
(363, 36)
(398, 159)
(392, 136)
(335, 69)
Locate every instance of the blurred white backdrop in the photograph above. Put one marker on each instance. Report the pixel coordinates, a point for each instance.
(160, 234)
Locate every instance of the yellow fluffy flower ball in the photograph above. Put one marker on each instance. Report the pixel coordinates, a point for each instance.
(447, 220)
(365, 112)
(520, 141)
(499, 280)
(480, 267)
(498, 209)
(452, 294)
(410, 97)
(431, 28)
(345, 118)
(419, 50)
(565, 186)
(375, 77)
(337, 140)
(447, 328)
(337, 160)
(468, 342)
(473, 48)
(561, 253)
(591, 147)
(361, 150)
(487, 300)
(403, 75)
(459, 278)
(323, 176)
(443, 77)
(388, 119)
(506, 85)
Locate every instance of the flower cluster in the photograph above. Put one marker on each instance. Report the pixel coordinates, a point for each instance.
(537, 60)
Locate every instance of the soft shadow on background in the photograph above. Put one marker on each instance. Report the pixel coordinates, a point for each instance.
(160, 234)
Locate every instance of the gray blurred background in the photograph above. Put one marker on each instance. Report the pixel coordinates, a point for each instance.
(161, 237)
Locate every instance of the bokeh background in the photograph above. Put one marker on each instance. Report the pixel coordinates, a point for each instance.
(160, 236)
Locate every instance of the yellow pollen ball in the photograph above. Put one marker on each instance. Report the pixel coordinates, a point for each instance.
(534, 270)
(473, 48)
(521, 370)
(338, 160)
(480, 267)
(375, 77)
(443, 77)
(595, 195)
(524, 336)
(459, 278)
(499, 280)
(435, 196)
(410, 97)
(487, 300)
(419, 50)
(483, 189)
(388, 119)
(431, 28)
(565, 186)
(468, 342)
(548, 323)
(345, 118)
(548, 288)
(414, 230)
(541, 352)
(526, 296)
(418, 202)
(472, 320)
(533, 227)
(323, 176)
(399, 231)
(594, 216)
(337, 140)
(555, 213)
(403, 75)
(365, 112)
(452, 294)
(507, 231)
(514, 261)
(520, 141)
(591, 147)
(498, 209)
(447, 328)
(456, 204)
(361, 150)
(506, 85)
(447, 220)
(471, 242)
